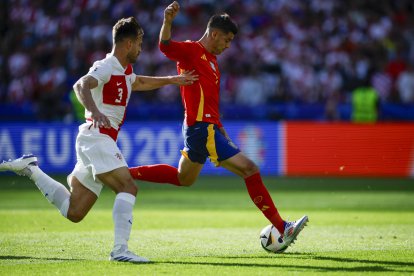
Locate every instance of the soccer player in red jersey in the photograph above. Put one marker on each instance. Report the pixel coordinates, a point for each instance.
(203, 132)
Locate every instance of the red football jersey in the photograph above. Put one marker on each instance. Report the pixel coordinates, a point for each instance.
(201, 99)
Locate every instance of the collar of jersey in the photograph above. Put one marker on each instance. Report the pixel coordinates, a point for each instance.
(116, 62)
(205, 50)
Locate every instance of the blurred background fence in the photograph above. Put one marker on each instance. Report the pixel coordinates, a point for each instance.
(280, 149)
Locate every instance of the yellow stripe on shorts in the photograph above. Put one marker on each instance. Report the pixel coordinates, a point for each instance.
(211, 145)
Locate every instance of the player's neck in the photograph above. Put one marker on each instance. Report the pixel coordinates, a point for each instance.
(121, 58)
(205, 42)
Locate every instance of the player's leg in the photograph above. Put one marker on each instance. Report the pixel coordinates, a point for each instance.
(81, 200)
(106, 165)
(226, 154)
(191, 162)
(157, 173)
(188, 171)
(241, 165)
(244, 167)
(121, 182)
(73, 205)
(185, 175)
(247, 169)
(55, 192)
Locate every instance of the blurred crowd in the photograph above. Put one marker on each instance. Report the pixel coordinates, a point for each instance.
(304, 51)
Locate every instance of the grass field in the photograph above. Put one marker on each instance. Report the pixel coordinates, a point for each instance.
(356, 226)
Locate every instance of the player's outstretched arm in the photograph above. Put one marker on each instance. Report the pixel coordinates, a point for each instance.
(144, 83)
(169, 14)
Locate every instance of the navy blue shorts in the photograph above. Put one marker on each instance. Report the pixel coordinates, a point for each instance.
(203, 140)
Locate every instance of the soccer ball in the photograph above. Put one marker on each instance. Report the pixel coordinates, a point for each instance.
(271, 240)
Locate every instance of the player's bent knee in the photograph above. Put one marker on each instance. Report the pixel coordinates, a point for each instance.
(186, 181)
(250, 168)
(74, 216)
(131, 189)
(186, 184)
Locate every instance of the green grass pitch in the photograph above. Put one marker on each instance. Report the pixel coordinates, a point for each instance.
(356, 226)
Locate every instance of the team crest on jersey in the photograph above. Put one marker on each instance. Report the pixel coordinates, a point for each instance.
(119, 156)
(212, 66)
(203, 57)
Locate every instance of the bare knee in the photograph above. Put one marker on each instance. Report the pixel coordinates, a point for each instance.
(130, 189)
(75, 216)
(186, 184)
(186, 181)
(250, 168)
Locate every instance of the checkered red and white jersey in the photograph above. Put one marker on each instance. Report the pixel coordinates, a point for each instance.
(113, 92)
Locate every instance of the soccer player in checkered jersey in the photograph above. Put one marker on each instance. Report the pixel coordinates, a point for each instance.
(104, 92)
(203, 132)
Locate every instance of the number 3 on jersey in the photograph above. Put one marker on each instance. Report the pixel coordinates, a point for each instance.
(115, 91)
(120, 91)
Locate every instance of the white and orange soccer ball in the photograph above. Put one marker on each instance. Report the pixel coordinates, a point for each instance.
(271, 240)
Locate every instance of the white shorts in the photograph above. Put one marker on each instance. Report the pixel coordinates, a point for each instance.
(96, 153)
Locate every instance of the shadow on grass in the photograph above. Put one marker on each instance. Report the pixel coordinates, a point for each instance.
(372, 265)
(6, 257)
(379, 267)
(312, 256)
(349, 260)
(301, 267)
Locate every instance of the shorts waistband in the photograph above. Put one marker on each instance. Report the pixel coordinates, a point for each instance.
(111, 132)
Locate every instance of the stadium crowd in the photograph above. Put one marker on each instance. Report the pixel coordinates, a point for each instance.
(287, 51)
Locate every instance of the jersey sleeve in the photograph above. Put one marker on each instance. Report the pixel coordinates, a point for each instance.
(177, 50)
(101, 71)
(133, 78)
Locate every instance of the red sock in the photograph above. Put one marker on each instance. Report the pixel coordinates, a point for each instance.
(159, 173)
(261, 197)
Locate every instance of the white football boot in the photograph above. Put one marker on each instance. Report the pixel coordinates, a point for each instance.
(20, 166)
(293, 228)
(124, 255)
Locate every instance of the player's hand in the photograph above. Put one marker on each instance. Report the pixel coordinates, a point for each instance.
(100, 120)
(185, 78)
(171, 11)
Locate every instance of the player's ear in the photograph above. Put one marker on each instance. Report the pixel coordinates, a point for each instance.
(214, 33)
(129, 43)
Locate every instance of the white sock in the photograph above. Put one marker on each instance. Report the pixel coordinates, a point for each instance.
(64, 208)
(122, 216)
(55, 192)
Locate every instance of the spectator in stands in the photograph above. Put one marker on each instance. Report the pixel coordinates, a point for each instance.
(405, 84)
(365, 103)
(302, 38)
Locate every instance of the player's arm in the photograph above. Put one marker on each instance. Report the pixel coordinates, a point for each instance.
(224, 132)
(169, 14)
(82, 89)
(174, 50)
(144, 83)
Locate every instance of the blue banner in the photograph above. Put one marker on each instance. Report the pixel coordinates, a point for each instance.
(142, 143)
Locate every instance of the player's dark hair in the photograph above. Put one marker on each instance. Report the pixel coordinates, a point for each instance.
(126, 28)
(223, 22)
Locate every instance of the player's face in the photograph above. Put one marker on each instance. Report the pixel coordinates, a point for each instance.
(135, 50)
(222, 41)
